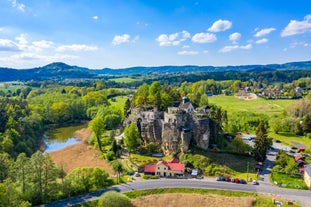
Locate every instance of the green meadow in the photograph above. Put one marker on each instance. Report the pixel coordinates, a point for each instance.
(257, 105)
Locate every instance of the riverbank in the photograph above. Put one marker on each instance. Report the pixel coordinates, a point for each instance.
(79, 155)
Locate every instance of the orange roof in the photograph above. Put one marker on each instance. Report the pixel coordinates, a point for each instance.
(150, 168)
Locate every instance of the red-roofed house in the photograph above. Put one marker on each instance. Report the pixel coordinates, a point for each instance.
(171, 168)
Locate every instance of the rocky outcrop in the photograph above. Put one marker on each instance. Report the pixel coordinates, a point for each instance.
(175, 129)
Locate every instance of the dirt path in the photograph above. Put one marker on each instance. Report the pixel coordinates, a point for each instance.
(186, 200)
(80, 155)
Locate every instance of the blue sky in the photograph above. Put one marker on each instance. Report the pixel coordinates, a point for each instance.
(125, 33)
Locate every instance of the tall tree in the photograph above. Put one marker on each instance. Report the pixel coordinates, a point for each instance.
(261, 143)
(97, 127)
(131, 137)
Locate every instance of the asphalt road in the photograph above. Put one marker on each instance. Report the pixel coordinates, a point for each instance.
(299, 195)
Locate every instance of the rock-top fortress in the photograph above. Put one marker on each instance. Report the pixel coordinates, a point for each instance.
(175, 129)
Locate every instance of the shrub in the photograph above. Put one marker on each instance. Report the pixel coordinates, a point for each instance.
(150, 177)
(114, 199)
(110, 155)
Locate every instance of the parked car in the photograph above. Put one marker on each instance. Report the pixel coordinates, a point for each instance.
(218, 178)
(278, 141)
(227, 179)
(255, 182)
(243, 181)
(236, 180)
(137, 174)
(294, 148)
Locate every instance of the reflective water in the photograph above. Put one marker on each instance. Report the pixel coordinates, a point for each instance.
(59, 138)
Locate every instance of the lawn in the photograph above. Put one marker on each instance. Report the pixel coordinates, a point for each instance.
(286, 181)
(143, 159)
(291, 138)
(258, 105)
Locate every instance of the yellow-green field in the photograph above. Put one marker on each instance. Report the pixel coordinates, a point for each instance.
(125, 80)
(258, 105)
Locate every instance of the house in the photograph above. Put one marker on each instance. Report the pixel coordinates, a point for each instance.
(307, 176)
(172, 168)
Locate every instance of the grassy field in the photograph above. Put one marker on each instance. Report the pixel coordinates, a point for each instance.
(286, 181)
(125, 80)
(258, 105)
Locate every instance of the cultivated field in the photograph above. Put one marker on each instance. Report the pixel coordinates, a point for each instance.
(186, 200)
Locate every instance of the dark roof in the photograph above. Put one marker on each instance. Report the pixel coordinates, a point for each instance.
(184, 105)
(308, 170)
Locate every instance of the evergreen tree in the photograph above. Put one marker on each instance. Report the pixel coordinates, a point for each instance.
(261, 143)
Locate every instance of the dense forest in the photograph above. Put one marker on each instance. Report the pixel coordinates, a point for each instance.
(29, 177)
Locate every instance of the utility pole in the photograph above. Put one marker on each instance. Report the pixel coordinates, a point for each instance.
(247, 171)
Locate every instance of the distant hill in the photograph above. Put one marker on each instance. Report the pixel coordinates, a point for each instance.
(60, 71)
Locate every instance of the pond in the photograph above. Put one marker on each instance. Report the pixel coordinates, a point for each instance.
(61, 137)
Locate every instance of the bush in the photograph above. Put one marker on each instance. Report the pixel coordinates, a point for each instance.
(150, 177)
(114, 199)
(110, 155)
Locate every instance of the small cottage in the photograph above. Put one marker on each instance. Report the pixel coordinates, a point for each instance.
(172, 168)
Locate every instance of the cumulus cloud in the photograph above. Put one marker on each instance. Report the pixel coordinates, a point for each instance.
(22, 39)
(8, 45)
(187, 52)
(264, 32)
(262, 41)
(120, 39)
(27, 58)
(220, 25)
(95, 18)
(204, 38)
(173, 39)
(234, 37)
(43, 44)
(235, 47)
(76, 48)
(19, 6)
(295, 27)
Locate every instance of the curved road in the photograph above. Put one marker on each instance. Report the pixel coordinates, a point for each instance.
(299, 195)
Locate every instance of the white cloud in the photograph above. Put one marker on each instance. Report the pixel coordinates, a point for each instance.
(28, 58)
(205, 51)
(246, 47)
(235, 47)
(204, 38)
(229, 48)
(120, 39)
(262, 41)
(19, 6)
(8, 45)
(220, 25)
(234, 37)
(185, 46)
(42, 44)
(173, 39)
(76, 48)
(95, 18)
(295, 27)
(264, 32)
(187, 52)
(22, 39)
(296, 44)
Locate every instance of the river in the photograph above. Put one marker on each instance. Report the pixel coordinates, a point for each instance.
(61, 137)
